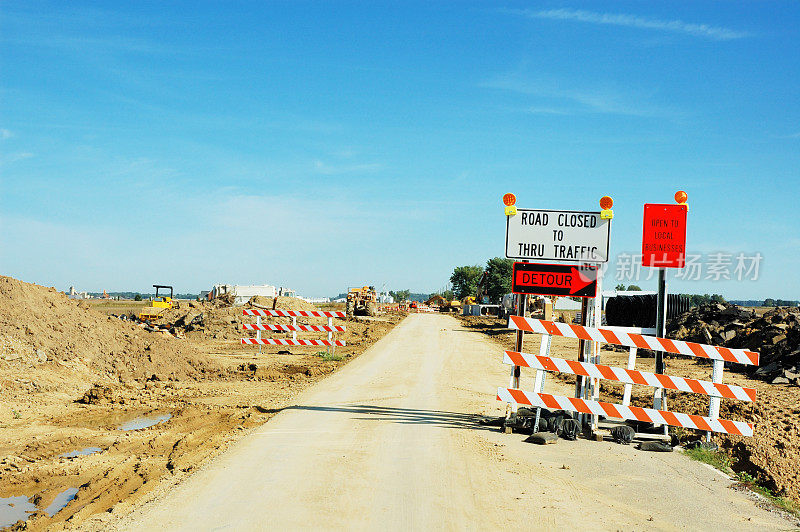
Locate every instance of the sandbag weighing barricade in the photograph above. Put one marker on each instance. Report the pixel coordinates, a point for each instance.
(330, 328)
(622, 336)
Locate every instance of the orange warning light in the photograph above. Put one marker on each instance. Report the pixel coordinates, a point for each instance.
(606, 202)
(681, 197)
(510, 199)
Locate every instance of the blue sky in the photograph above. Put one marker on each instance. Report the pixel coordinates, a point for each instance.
(320, 145)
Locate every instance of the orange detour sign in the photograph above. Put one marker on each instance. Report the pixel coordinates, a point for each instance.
(664, 235)
(554, 279)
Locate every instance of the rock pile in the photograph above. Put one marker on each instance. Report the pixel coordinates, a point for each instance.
(775, 336)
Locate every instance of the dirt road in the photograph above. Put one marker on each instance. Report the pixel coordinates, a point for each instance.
(390, 442)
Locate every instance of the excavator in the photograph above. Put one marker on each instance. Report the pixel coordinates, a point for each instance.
(479, 292)
(159, 304)
(437, 300)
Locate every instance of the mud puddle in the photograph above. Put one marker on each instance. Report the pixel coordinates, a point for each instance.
(143, 422)
(80, 452)
(12, 509)
(61, 500)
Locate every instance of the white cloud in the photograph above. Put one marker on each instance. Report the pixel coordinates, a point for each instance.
(633, 21)
(5, 134)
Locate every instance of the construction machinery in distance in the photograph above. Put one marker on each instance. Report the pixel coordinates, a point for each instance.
(438, 300)
(159, 304)
(362, 301)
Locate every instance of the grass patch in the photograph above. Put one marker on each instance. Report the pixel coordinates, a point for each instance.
(329, 357)
(783, 503)
(716, 459)
(724, 463)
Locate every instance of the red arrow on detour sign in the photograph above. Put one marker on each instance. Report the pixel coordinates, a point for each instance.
(554, 279)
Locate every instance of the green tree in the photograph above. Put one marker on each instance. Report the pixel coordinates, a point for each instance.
(498, 278)
(400, 295)
(620, 287)
(137, 297)
(465, 280)
(634, 288)
(769, 302)
(447, 294)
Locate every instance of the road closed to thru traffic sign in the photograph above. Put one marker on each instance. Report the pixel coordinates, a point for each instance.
(571, 236)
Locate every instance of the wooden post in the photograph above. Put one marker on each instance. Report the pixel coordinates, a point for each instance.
(713, 407)
(626, 397)
(258, 332)
(580, 381)
(515, 370)
(330, 336)
(538, 384)
(597, 321)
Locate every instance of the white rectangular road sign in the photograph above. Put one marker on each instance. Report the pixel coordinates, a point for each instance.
(571, 236)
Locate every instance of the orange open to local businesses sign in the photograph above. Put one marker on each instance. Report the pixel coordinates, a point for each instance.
(664, 235)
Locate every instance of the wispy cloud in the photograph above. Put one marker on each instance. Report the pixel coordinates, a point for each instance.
(331, 169)
(548, 111)
(633, 21)
(14, 157)
(563, 98)
(5, 134)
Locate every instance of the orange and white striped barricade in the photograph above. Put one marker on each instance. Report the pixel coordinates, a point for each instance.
(330, 328)
(619, 336)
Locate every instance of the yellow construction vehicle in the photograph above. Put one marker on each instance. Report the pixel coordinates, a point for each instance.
(159, 303)
(362, 301)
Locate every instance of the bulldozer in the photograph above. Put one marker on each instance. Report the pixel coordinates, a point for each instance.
(362, 301)
(159, 304)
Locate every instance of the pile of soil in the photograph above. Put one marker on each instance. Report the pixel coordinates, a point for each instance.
(221, 320)
(39, 325)
(775, 336)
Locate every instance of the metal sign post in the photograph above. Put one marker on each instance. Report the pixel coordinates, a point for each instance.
(663, 246)
(659, 396)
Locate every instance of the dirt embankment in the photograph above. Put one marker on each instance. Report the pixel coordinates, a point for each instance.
(772, 455)
(76, 385)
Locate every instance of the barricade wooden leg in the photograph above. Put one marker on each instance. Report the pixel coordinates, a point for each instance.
(330, 336)
(713, 406)
(538, 384)
(626, 397)
(258, 332)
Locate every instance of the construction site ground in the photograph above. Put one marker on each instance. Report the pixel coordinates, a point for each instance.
(393, 441)
(207, 390)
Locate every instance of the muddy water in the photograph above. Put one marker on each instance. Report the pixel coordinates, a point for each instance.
(80, 452)
(144, 421)
(12, 509)
(61, 500)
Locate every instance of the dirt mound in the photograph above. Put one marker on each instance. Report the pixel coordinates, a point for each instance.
(775, 336)
(223, 321)
(40, 325)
